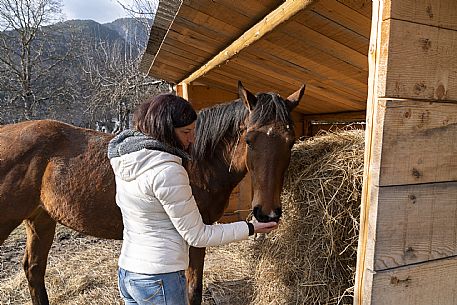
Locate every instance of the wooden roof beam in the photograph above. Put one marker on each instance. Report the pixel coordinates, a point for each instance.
(280, 15)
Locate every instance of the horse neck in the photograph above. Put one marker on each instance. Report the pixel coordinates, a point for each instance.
(221, 173)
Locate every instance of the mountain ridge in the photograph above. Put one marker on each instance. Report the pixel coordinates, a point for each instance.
(89, 70)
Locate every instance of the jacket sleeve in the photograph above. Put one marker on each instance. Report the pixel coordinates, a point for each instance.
(172, 188)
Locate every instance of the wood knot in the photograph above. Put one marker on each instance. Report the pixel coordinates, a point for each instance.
(419, 88)
(396, 281)
(425, 43)
(416, 173)
(407, 114)
(429, 11)
(409, 253)
(424, 118)
(412, 197)
(372, 49)
(440, 92)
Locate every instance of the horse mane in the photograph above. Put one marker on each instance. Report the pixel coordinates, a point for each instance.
(221, 123)
(216, 124)
(270, 107)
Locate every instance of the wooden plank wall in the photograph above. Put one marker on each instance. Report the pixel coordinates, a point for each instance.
(408, 239)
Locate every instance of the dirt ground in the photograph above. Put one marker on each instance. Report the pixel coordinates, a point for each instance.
(82, 270)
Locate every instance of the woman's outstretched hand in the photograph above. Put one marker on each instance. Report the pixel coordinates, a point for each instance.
(264, 227)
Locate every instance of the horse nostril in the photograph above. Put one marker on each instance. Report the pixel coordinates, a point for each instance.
(257, 211)
(278, 212)
(275, 216)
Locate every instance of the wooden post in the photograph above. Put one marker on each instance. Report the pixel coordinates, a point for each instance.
(363, 279)
(299, 123)
(182, 90)
(408, 227)
(307, 129)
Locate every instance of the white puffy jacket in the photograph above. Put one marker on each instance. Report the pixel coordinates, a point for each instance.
(160, 215)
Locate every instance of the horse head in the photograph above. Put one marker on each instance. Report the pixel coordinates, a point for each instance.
(268, 137)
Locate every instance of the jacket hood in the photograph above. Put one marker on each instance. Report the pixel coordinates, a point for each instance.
(131, 153)
(129, 166)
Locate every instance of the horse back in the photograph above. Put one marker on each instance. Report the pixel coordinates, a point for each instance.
(63, 169)
(24, 149)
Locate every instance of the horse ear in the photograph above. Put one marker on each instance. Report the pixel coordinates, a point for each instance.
(247, 97)
(293, 99)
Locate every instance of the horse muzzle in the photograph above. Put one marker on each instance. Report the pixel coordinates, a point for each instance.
(275, 215)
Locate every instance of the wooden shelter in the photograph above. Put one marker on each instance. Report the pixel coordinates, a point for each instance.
(393, 60)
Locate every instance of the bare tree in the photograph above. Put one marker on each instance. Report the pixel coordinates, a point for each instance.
(142, 10)
(58, 70)
(110, 70)
(25, 53)
(115, 84)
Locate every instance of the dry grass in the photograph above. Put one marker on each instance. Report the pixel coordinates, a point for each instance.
(310, 259)
(227, 276)
(83, 270)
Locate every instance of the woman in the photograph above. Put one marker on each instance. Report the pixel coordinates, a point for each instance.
(160, 215)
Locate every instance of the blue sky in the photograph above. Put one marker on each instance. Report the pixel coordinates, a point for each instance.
(102, 11)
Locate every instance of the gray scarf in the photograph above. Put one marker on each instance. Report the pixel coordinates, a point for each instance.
(130, 141)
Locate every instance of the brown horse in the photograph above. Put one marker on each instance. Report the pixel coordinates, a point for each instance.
(53, 172)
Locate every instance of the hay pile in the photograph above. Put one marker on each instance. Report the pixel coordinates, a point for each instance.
(227, 277)
(311, 258)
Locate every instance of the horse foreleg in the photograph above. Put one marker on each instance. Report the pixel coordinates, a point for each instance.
(40, 230)
(194, 275)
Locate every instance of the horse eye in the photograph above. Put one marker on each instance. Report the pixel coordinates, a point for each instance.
(248, 142)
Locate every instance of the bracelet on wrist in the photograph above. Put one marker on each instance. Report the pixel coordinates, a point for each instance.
(251, 228)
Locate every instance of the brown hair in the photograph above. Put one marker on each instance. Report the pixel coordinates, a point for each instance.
(159, 116)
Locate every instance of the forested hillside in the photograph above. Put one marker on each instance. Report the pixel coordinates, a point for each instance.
(77, 71)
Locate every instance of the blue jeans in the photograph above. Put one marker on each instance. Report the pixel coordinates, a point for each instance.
(153, 289)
